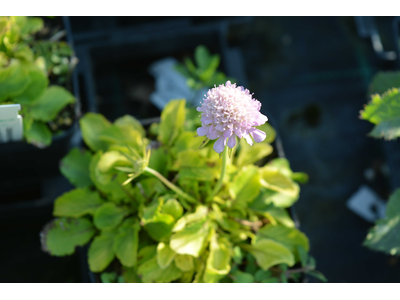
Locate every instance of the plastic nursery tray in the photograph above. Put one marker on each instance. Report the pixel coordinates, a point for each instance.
(114, 71)
(25, 166)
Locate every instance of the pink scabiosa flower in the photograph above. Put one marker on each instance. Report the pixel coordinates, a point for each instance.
(229, 111)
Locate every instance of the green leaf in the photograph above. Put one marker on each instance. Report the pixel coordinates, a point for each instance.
(261, 275)
(317, 275)
(251, 154)
(63, 235)
(122, 135)
(38, 134)
(242, 277)
(246, 185)
(108, 277)
(77, 203)
(126, 242)
(184, 262)
(101, 251)
(383, 81)
(131, 276)
(389, 129)
(32, 25)
(191, 240)
(384, 236)
(172, 121)
(200, 214)
(269, 253)
(159, 161)
(92, 125)
(112, 159)
(202, 57)
(14, 80)
(172, 207)
(273, 179)
(37, 86)
(385, 108)
(218, 262)
(150, 271)
(165, 255)
(157, 224)
(108, 216)
(281, 215)
(109, 183)
(50, 103)
(128, 120)
(289, 237)
(75, 167)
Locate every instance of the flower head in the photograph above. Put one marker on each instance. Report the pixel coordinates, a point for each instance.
(229, 111)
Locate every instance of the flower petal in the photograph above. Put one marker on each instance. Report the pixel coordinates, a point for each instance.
(219, 144)
(212, 135)
(232, 141)
(258, 135)
(202, 131)
(228, 133)
(248, 139)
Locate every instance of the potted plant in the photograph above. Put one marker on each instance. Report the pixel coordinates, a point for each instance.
(36, 67)
(155, 207)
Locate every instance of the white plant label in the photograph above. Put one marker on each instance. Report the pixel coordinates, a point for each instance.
(10, 123)
(367, 204)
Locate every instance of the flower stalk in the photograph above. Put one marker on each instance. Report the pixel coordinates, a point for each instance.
(218, 186)
(170, 185)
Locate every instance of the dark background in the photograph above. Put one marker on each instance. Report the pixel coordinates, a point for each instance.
(311, 75)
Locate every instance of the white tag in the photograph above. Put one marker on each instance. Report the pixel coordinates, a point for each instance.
(10, 123)
(367, 204)
(170, 84)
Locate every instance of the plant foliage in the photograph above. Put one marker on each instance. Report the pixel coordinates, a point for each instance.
(141, 203)
(27, 68)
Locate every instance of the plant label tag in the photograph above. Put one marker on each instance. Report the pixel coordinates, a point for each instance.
(10, 123)
(367, 204)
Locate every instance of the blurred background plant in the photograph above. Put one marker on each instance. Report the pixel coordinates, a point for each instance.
(36, 73)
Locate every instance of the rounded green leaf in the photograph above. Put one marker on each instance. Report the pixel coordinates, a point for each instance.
(184, 262)
(61, 236)
(108, 216)
(77, 203)
(272, 178)
(172, 207)
(165, 255)
(92, 125)
(101, 251)
(126, 242)
(14, 79)
(112, 159)
(75, 167)
(38, 134)
(50, 103)
(269, 253)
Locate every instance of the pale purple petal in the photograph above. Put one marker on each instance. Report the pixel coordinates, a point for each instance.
(199, 109)
(212, 135)
(219, 145)
(202, 131)
(232, 141)
(227, 133)
(258, 135)
(248, 139)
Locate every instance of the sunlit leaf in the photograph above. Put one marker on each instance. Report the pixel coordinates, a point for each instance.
(75, 167)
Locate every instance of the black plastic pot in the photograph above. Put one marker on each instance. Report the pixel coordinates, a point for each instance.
(25, 167)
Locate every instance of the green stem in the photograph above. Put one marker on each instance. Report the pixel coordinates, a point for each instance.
(171, 185)
(218, 186)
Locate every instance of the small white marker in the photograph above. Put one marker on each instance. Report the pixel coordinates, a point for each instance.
(10, 123)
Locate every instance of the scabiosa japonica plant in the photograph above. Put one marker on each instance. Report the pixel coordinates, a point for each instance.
(228, 112)
(156, 207)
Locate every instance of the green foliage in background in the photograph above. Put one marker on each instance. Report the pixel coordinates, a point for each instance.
(141, 203)
(204, 72)
(384, 112)
(27, 67)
